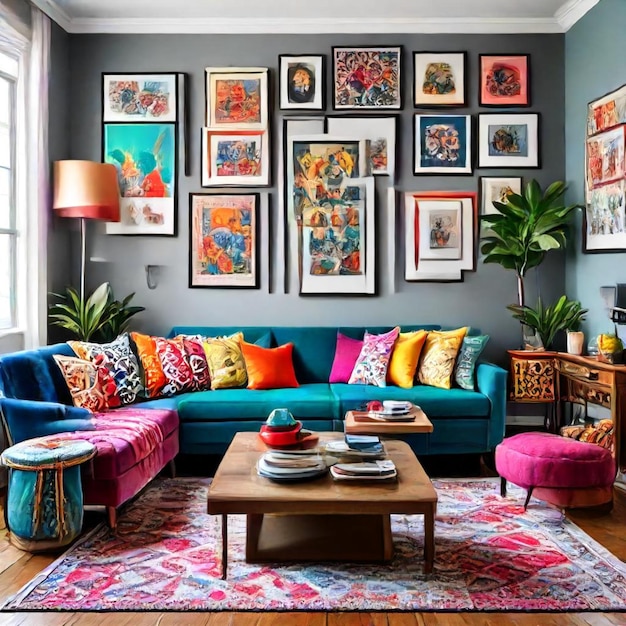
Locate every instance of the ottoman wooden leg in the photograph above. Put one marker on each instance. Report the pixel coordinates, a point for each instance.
(503, 486)
(530, 493)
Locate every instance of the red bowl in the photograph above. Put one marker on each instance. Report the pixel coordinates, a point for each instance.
(281, 438)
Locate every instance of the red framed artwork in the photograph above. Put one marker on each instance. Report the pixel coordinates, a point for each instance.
(504, 80)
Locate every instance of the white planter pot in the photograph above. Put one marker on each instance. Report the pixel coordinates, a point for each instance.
(575, 342)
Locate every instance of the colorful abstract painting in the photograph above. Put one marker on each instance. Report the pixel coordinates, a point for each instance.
(301, 82)
(223, 240)
(139, 98)
(607, 111)
(439, 79)
(438, 229)
(605, 157)
(508, 140)
(505, 80)
(145, 158)
(443, 144)
(367, 78)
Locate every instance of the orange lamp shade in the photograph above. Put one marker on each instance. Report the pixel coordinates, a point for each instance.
(86, 189)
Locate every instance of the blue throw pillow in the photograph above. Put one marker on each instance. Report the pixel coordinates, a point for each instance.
(466, 361)
(25, 419)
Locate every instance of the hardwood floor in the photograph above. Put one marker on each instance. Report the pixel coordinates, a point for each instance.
(17, 568)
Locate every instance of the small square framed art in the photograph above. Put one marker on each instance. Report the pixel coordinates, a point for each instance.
(301, 82)
(504, 80)
(497, 189)
(442, 144)
(439, 79)
(508, 140)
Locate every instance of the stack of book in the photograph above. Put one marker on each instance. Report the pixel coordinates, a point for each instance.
(372, 470)
(347, 450)
(292, 465)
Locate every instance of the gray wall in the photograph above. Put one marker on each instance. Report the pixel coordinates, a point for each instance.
(479, 301)
(595, 49)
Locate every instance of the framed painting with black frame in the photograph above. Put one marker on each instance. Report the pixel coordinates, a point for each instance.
(509, 140)
(224, 240)
(439, 79)
(504, 80)
(301, 82)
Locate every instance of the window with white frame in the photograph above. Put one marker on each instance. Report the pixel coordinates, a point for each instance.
(8, 211)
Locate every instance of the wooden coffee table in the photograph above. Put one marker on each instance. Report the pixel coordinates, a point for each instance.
(321, 519)
(360, 422)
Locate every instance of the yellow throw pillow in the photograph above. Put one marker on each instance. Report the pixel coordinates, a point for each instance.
(405, 357)
(226, 363)
(439, 355)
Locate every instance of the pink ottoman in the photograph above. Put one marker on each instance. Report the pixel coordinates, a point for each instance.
(559, 470)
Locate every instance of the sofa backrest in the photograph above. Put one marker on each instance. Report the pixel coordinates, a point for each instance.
(34, 375)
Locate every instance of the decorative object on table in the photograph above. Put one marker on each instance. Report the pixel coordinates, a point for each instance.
(86, 190)
(383, 469)
(575, 341)
(533, 575)
(235, 157)
(610, 348)
(302, 82)
(550, 320)
(504, 80)
(439, 79)
(439, 235)
(379, 131)
(508, 140)
(44, 507)
(282, 430)
(604, 225)
(99, 318)
(225, 239)
(367, 77)
(146, 159)
(286, 466)
(442, 144)
(525, 228)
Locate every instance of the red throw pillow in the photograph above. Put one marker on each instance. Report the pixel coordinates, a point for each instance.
(269, 368)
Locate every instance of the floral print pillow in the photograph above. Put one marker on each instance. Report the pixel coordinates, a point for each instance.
(371, 366)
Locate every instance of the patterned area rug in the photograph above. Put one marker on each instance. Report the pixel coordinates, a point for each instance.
(491, 556)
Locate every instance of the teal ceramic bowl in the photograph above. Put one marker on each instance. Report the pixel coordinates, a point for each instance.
(281, 418)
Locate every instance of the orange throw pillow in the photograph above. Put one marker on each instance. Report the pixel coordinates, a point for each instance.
(153, 370)
(269, 368)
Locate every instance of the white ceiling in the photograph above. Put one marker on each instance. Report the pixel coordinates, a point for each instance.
(321, 16)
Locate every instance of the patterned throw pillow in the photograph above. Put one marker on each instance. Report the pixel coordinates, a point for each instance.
(438, 357)
(602, 433)
(226, 362)
(177, 372)
(120, 361)
(154, 378)
(466, 363)
(196, 359)
(269, 368)
(405, 357)
(371, 366)
(90, 386)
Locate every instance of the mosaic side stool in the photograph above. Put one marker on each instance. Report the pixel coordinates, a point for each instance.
(45, 496)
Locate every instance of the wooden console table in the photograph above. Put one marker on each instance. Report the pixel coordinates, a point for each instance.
(559, 377)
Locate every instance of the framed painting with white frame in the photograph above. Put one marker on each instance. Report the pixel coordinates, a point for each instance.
(137, 97)
(235, 157)
(380, 131)
(224, 240)
(496, 189)
(442, 144)
(145, 157)
(439, 79)
(504, 80)
(236, 97)
(301, 82)
(417, 264)
(367, 77)
(508, 140)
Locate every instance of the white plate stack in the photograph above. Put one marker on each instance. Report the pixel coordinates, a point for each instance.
(291, 466)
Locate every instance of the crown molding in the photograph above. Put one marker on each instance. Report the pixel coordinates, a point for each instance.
(314, 25)
(56, 13)
(572, 11)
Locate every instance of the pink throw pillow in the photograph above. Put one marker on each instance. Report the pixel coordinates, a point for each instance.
(346, 353)
(373, 360)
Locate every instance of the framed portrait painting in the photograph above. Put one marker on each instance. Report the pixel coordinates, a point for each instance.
(224, 240)
(443, 144)
(144, 156)
(504, 80)
(235, 157)
(508, 140)
(140, 97)
(439, 79)
(301, 82)
(236, 97)
(367, 78)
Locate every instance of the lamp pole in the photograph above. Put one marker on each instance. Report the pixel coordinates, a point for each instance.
(83, 256)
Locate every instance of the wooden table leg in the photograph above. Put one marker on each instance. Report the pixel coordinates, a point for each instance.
(224, 545)
(429, 540)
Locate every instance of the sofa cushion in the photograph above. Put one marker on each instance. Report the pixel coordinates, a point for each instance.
(226, 362)
(269, 368)
(405, 357)
(471, 349)
(347, 352)
(308, 401)
(195, 357)
(150, 363)
(373, 360)
(178, 374)
(438, 357)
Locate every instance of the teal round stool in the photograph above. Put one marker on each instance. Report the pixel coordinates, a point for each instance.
(45, 496)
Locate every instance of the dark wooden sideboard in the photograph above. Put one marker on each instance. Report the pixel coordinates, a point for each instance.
(558, 378)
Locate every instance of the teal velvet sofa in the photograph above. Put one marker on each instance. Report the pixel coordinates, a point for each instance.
(464, 421)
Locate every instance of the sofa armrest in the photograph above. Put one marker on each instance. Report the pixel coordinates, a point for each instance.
(492, 380)
(25, 419)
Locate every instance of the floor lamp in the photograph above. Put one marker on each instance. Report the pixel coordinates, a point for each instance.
(89, 191)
